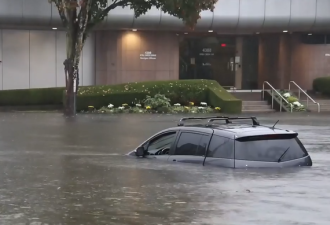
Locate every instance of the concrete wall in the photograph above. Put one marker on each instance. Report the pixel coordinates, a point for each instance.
(34, 59)
(119, 60)
(229, 16)
(283, 58)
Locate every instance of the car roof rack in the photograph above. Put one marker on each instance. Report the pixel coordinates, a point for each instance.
(230, 119)
(220, 118)
(181, 122)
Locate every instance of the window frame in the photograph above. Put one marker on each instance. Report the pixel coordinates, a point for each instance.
(173, 149)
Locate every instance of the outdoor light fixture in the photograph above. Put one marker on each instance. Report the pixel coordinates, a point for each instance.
(309, 34)
(210, 31)
(186, 33)
(134, 30)
(257, 32)
(54, 28)
(285, 31)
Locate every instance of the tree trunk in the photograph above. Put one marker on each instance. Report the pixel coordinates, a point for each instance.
(75, 39)
(70, 94)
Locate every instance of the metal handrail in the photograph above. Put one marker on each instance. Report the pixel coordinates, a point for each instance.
(273, 89)
(308, 97)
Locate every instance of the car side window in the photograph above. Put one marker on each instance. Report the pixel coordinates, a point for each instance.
(163, 141)
(203, 145)
(221, 147)
(191, 144)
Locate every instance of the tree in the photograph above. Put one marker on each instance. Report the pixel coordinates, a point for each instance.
(80, 16)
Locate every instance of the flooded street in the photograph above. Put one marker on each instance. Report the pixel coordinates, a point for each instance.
(58, 171)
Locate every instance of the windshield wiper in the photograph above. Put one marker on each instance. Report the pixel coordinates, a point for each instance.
(279, 160)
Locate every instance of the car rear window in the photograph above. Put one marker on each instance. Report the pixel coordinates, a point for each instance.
(269, 148)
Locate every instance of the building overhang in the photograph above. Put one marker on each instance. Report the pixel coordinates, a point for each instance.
(234, 16)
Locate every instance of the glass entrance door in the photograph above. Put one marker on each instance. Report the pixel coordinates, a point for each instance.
(224, 65)
(250, 63)
(208, 57)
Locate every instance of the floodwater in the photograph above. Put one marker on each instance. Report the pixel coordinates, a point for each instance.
(59, 171)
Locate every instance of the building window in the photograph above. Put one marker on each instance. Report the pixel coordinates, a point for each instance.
(314, 39)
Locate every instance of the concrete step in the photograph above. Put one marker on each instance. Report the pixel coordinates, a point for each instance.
(260, 107)
(246, 103)
(324, 105)
(315, 106)
(256, 106)
(322, 109)
(258, 111)
(247, 96)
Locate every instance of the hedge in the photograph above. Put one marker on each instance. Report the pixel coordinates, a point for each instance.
(179, 91)
(37, 96)
(322, 84)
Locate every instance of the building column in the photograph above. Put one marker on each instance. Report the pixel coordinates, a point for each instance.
(238, 62)
(284, 62)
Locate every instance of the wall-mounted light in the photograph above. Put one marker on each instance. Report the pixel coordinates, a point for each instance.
(210, 31)
(54, 28)
(257, 32)
(134, 30)
(186, 33)
(310, 34)
(285, 31)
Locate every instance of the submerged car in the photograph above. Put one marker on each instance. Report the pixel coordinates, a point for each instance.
(226, 142)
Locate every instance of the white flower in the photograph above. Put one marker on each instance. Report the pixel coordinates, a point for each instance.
(296, 104)
(138, 105)
(204, 103)
(177, 104)
(110, 106)
(121, 107)
(200, 107)
(286, 95)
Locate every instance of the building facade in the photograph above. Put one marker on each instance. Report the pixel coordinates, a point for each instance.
(241, 44)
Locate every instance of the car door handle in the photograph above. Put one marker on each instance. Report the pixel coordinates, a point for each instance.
(174, 160)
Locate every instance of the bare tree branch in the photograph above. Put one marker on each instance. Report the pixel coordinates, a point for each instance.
(60, 7)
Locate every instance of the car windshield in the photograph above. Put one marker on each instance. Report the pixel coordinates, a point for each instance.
(269, 149)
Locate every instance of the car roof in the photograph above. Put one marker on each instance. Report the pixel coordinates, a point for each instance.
(232, 130)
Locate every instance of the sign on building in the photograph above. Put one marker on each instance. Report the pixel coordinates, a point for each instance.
(148, 55)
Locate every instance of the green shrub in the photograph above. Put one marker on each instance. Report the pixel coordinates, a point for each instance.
(158, 101)
(292, 99)
(223, 99)
(37, 96)
(322, 84)
(178, 91)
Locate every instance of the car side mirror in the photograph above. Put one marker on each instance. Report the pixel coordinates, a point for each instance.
(140, 152)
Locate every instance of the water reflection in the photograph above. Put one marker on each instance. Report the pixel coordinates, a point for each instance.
(58, 171)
